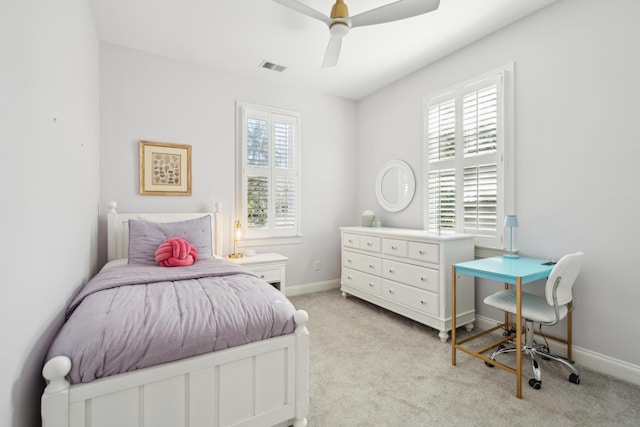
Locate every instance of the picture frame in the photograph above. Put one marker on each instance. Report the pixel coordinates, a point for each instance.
(165, 169)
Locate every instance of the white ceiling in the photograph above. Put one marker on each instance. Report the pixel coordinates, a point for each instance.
(237, 35)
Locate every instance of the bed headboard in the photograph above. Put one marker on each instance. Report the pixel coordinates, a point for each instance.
(118, 228)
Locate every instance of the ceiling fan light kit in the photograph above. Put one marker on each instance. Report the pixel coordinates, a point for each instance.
(339, 29)
(339, 21)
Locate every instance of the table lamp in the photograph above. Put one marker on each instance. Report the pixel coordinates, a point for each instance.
(237, 236)
(511, 221)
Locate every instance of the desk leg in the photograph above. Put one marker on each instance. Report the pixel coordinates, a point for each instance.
(506, 313)
(453, 315)
(519, 337)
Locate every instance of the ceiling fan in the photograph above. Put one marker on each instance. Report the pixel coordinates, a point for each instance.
(340, 22)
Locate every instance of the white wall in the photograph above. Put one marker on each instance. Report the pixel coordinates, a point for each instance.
(148, 97)
(576, 96)
(48, 69)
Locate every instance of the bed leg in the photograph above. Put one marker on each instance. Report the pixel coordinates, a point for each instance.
(302, 368)
(55, 399)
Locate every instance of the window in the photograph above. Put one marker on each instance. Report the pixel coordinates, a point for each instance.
(269, 178)
(468, 175)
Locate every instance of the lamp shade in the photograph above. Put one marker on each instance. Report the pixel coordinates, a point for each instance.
(510, 221)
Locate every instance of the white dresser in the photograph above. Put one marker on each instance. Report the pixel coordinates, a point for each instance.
(409, 272)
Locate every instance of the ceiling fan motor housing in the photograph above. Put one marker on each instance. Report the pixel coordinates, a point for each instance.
(339, 10)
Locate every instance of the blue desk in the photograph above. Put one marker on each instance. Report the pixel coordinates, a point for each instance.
(510, 271)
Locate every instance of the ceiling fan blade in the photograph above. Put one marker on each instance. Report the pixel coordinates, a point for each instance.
(401, 9)
(333, 52)
(305, 10)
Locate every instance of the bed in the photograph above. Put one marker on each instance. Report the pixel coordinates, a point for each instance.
(262, 382)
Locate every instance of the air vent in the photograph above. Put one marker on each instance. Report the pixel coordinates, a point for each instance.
(271, 66)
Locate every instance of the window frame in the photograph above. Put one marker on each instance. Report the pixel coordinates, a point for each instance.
(269, 236)
(505, 203)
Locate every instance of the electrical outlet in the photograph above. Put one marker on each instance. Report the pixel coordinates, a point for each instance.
(316, 265)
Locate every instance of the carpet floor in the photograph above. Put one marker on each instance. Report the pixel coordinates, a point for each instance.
(371, 367)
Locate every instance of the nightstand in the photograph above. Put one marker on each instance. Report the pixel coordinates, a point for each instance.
(270, 267)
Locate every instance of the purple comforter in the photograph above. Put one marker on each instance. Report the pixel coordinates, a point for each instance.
(134, 316)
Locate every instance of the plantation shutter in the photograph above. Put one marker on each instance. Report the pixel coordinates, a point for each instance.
(270, 174)
(441, 151)
(442, 199)
(480, 158)
(284, 173)
(463, 160)
(257, 171)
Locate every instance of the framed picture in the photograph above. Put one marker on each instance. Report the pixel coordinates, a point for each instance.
(165, 169)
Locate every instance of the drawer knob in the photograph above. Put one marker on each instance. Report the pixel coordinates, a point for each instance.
(349, 260)
(391, 270)
(262, 276)
(371, 266)
(423, 279)
(391, 291)
(350, 241)
(349, 277)
(421, 252)
(394, 247)
(423, 302)
(371, 284)
(368, 243)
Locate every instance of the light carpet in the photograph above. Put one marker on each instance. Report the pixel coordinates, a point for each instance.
(371, 367)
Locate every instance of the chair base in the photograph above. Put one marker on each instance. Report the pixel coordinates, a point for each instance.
(532, 349)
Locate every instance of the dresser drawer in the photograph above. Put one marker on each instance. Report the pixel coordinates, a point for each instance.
(364, 263)
(366, 282)
(369, 243)
(351, 240)
(420, 277)
(418, 299)
(394, 247)
(427, 252)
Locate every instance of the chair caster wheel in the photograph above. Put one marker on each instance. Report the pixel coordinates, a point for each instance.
(573, 378)
(535, 384)
(489, 364)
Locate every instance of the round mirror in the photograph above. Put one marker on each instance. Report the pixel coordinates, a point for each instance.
(395, 185)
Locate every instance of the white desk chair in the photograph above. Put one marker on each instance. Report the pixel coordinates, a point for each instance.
(558, 302)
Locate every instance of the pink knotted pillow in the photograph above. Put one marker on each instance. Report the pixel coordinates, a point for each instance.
(176, 252)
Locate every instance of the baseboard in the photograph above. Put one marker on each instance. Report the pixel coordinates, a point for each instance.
(589, 359)
(310, 288)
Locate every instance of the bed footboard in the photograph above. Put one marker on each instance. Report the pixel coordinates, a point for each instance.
(257, 384)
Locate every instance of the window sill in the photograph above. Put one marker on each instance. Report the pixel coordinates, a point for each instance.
(481, 252)
(290, 240)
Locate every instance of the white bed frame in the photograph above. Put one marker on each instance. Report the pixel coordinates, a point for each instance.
(260, 384)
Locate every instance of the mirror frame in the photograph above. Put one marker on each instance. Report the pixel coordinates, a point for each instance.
(403, 202)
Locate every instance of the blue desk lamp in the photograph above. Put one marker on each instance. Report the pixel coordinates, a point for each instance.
(511, 221)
